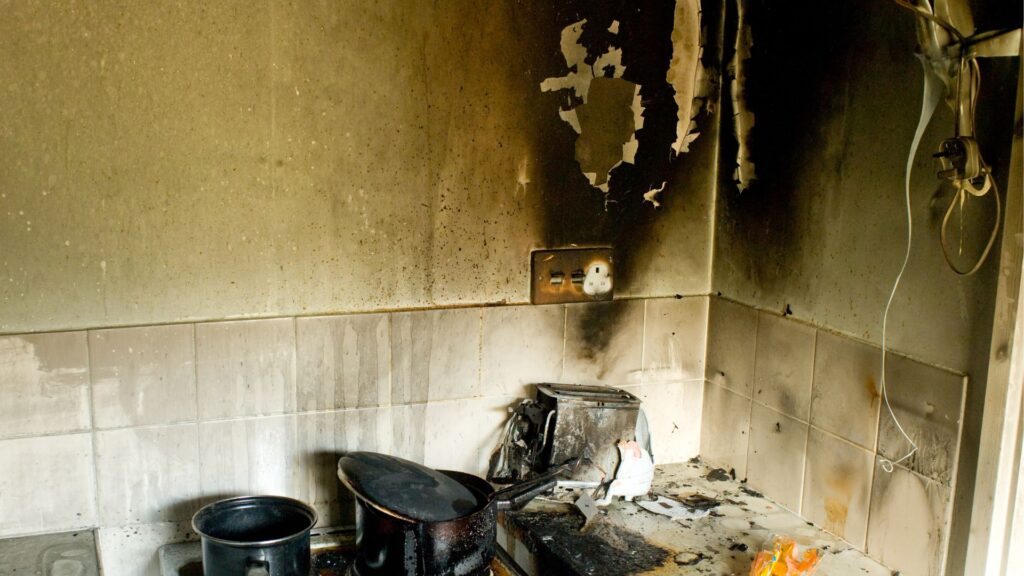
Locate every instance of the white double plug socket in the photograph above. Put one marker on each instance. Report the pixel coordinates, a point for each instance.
(572, 275)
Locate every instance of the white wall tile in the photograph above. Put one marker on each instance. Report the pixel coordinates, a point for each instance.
(674, 412)
(675, 339)
(343, 361)
(435, 355)
(462, 435)
(46, 484)
(44, 384)
(148, 474)
(251, 456)
(928, 402)
(604, 343)
(143, 375)
(323, 438)
(837, 486)
(725, 427)
(907, 528)
(246, 368)
(846, 396)
(775, 455)
(732, 334)
(522, 345)
(409, 429)
(133, 551)
(783, 365)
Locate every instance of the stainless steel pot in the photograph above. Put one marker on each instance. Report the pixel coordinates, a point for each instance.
(255, 536)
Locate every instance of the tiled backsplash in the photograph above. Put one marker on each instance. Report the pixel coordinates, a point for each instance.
(798, 411)
(132, 429)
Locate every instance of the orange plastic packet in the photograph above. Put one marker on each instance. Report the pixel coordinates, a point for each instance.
(785, 559)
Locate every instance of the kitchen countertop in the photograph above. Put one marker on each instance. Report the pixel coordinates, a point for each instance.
(50, 554)
(545, 538)
(626, 539)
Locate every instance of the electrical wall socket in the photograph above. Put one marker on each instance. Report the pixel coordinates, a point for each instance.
(571, 275)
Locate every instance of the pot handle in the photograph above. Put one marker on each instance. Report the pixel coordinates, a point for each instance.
(518, 495)
(257, 568)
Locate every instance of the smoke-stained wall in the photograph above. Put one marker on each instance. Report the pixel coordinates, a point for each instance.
(822, 230)
(835, 94)
(176, 162)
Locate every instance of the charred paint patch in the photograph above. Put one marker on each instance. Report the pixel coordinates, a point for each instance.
(744, 173)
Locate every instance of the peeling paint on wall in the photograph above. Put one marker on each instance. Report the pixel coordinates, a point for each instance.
(601, 55)
(743, 118)
(581, 73)
(685, 72)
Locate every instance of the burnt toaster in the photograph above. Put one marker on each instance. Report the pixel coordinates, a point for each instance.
(562, 423)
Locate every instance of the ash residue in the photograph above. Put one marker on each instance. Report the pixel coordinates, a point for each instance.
(720, 475)
(751, 492)
(601, 549)
(700, 502)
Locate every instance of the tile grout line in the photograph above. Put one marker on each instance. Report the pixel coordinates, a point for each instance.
(874, 469)
(707, 342)
(391, 367)
(807, 436)
(479, 354)
(93, 441)
(874, 466)
(199, 435)
(565, 338)
(269, 415)
(875, 459)
(834, 436)
(295, 369)
(643, 350)
(753, 384)
(954, 472)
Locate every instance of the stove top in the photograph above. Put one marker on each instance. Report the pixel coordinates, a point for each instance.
(332, 554)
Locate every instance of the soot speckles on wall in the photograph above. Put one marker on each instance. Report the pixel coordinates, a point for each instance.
(646, 76)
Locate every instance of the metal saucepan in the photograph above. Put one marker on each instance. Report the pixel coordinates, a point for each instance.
(415, 521)
(255, 536)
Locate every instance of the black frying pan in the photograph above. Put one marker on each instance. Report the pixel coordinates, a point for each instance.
(415, 521)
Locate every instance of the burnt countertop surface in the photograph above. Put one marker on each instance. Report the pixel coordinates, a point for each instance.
(546, 539)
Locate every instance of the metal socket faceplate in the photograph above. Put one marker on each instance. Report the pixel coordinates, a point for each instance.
(559, 276)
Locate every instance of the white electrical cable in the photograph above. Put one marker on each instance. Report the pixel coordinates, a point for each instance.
(930, 100)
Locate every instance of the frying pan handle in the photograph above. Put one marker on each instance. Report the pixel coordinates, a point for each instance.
(516, 499)
(257, 568)
(518, 495)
